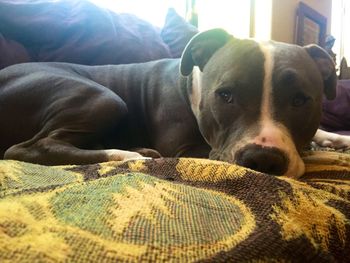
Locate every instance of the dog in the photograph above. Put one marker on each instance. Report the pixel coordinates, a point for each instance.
(236, 100)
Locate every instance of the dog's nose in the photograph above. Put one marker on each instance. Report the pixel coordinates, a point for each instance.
(263, 159)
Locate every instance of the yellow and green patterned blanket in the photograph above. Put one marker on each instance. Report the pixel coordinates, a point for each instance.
(177, 210)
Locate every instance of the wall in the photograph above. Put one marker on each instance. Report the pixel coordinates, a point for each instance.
(284, 16)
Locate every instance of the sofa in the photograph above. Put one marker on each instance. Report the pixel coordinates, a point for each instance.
(166, 209)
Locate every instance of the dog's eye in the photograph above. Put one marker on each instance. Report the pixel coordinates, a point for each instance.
(225, 95)
(299, 100)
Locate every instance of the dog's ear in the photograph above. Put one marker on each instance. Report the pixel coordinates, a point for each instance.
(200, 48)
(326, 66)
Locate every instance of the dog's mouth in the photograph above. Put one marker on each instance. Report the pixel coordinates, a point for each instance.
(265, 159)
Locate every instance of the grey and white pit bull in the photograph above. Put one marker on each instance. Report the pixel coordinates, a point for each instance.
(254, 104)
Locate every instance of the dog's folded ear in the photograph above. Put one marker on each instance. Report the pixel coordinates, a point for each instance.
(326, 66)
(200, 48)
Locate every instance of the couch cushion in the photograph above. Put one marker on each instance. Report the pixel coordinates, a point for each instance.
(79, 32)
(336, 113)
(176, 32)
(12, 52)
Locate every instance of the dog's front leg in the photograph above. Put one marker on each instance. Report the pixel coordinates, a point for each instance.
(49, 151)
(73, 131)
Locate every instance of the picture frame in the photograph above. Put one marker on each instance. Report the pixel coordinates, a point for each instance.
(310, 26)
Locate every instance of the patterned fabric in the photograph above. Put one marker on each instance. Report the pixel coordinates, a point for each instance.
(179, 210)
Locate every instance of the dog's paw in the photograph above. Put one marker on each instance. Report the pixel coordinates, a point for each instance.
(146, 152)
(120, 155)
(341, 142)
(331, 140)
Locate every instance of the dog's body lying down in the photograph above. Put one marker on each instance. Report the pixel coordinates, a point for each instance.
(254, 104)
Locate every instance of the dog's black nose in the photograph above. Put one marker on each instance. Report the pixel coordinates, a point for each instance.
(263, 159)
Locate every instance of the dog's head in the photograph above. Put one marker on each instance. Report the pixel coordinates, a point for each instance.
(257, 104)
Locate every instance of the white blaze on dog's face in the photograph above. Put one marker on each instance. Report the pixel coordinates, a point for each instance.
(274, 134)
(259, 104)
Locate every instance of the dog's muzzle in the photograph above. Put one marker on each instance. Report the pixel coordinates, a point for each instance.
(264, 159)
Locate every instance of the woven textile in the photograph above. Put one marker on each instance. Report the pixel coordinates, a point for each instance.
(179, 210)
